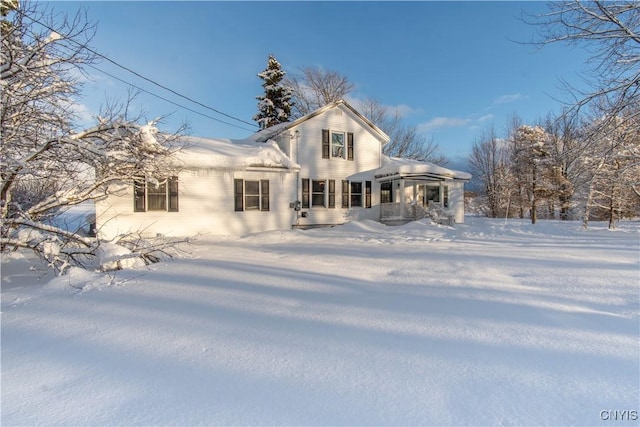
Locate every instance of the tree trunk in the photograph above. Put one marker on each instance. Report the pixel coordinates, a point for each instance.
(587, 207)
(534, 201)
(612, 210)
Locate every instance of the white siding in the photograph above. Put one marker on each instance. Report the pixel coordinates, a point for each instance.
(456, 200)
(206, 206)
(307, 152)
(206, 196)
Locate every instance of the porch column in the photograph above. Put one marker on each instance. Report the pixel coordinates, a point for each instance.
(402, 198)
(441, 190)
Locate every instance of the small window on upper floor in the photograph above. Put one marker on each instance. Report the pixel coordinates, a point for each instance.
(337, 145)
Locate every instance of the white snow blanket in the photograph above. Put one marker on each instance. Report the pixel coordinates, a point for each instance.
(490, 323)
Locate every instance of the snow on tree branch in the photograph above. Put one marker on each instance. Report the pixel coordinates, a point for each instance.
(47, 165)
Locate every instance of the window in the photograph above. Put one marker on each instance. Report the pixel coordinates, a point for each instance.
(353, 195)
(432, 194)
(251, 195)
(155, 195)
(317, 193)
(337, 145)
(386, 192)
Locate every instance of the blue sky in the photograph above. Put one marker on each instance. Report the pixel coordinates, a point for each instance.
(452, 68)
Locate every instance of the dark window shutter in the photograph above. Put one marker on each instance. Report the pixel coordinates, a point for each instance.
(367, 195)
(139, 194)
(332, 193)
(264, 195)
(238, 186)
(349, 146)
(325, 143)
(173, 193)
(305, 192)
(345, 194)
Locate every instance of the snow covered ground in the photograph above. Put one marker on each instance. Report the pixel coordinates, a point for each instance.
(490, 323)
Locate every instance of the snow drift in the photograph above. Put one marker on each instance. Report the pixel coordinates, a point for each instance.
(490, 323)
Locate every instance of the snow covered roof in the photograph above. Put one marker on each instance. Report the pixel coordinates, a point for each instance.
(232, 154)
(272, 131)
(408, 167)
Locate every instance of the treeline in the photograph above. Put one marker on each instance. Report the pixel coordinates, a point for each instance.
(585, 163)
(567, 167)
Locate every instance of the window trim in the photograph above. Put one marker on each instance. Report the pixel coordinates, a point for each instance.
(240, 195)
(388, 191)
(342, 148)
(328, 144)
(141, 194)
(314, 193)
(357, 196)
(348, 194)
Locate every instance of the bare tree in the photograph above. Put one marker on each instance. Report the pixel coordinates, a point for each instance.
(405, 141)
(314, 87)
(530, 160)
(567, 171)
(490, 162)
(614, 170)
(610, 30)
(47, 164)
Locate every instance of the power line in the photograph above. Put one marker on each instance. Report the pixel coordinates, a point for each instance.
(167, 100)
(142, 77)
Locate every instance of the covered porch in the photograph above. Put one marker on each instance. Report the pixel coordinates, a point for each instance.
(403, 200)
(412, 190)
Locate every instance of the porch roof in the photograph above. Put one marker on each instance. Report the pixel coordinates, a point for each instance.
(393, 167)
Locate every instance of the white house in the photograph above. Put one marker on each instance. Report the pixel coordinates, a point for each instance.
(325, 168)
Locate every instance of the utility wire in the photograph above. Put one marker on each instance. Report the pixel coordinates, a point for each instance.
(139, 75)
(167, 100)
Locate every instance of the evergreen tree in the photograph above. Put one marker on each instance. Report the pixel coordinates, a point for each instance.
(275, 105)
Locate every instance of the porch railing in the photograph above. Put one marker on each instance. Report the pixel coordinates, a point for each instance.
(400, 211)
(412, 212)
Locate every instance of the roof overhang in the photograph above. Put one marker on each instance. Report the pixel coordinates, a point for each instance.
(274, 131)
(396, 168)
(414, 177)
